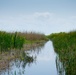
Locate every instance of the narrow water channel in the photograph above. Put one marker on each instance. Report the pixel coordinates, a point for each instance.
(44, 63)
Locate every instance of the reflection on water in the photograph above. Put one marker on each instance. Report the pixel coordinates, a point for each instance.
(40, 60)
(68, 64)
(17, 66)
(59, 66)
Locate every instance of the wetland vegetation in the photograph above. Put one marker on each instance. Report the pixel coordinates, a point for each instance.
(13, 45)
(16, 40)
(65, 47)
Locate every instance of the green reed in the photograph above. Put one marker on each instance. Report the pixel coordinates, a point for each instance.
(16, 40)
(10, 40)
(65, 46)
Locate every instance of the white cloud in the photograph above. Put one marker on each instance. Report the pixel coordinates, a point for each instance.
(43, 15)
(39, 21)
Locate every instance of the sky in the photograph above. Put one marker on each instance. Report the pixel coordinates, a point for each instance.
(45, 16)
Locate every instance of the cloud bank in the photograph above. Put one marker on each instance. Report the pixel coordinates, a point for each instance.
(44, 22)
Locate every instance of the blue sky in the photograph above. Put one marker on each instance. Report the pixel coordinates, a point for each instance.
(46, 16)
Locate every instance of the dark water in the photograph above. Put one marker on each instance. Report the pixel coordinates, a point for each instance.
(37, 61)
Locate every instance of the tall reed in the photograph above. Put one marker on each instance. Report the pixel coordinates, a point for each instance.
(65, 46)
(10, 40)
(16, 40)
(32, 36)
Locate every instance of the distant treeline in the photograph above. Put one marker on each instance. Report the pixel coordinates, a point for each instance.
(65, 46)
(17, 39)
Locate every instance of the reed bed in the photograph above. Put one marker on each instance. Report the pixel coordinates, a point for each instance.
(65, 46)
(10, 40)
(33, 36)
(16, 40)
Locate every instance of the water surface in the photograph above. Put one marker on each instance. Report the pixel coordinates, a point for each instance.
(40, 61)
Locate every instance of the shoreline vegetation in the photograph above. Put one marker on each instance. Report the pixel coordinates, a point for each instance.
(13, 44)
(65, 47)
(16, 40)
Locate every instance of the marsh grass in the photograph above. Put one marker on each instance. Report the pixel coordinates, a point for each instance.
(12, 45)
(33, 36)
(65, 46)
(10, 40)
(16, 40)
